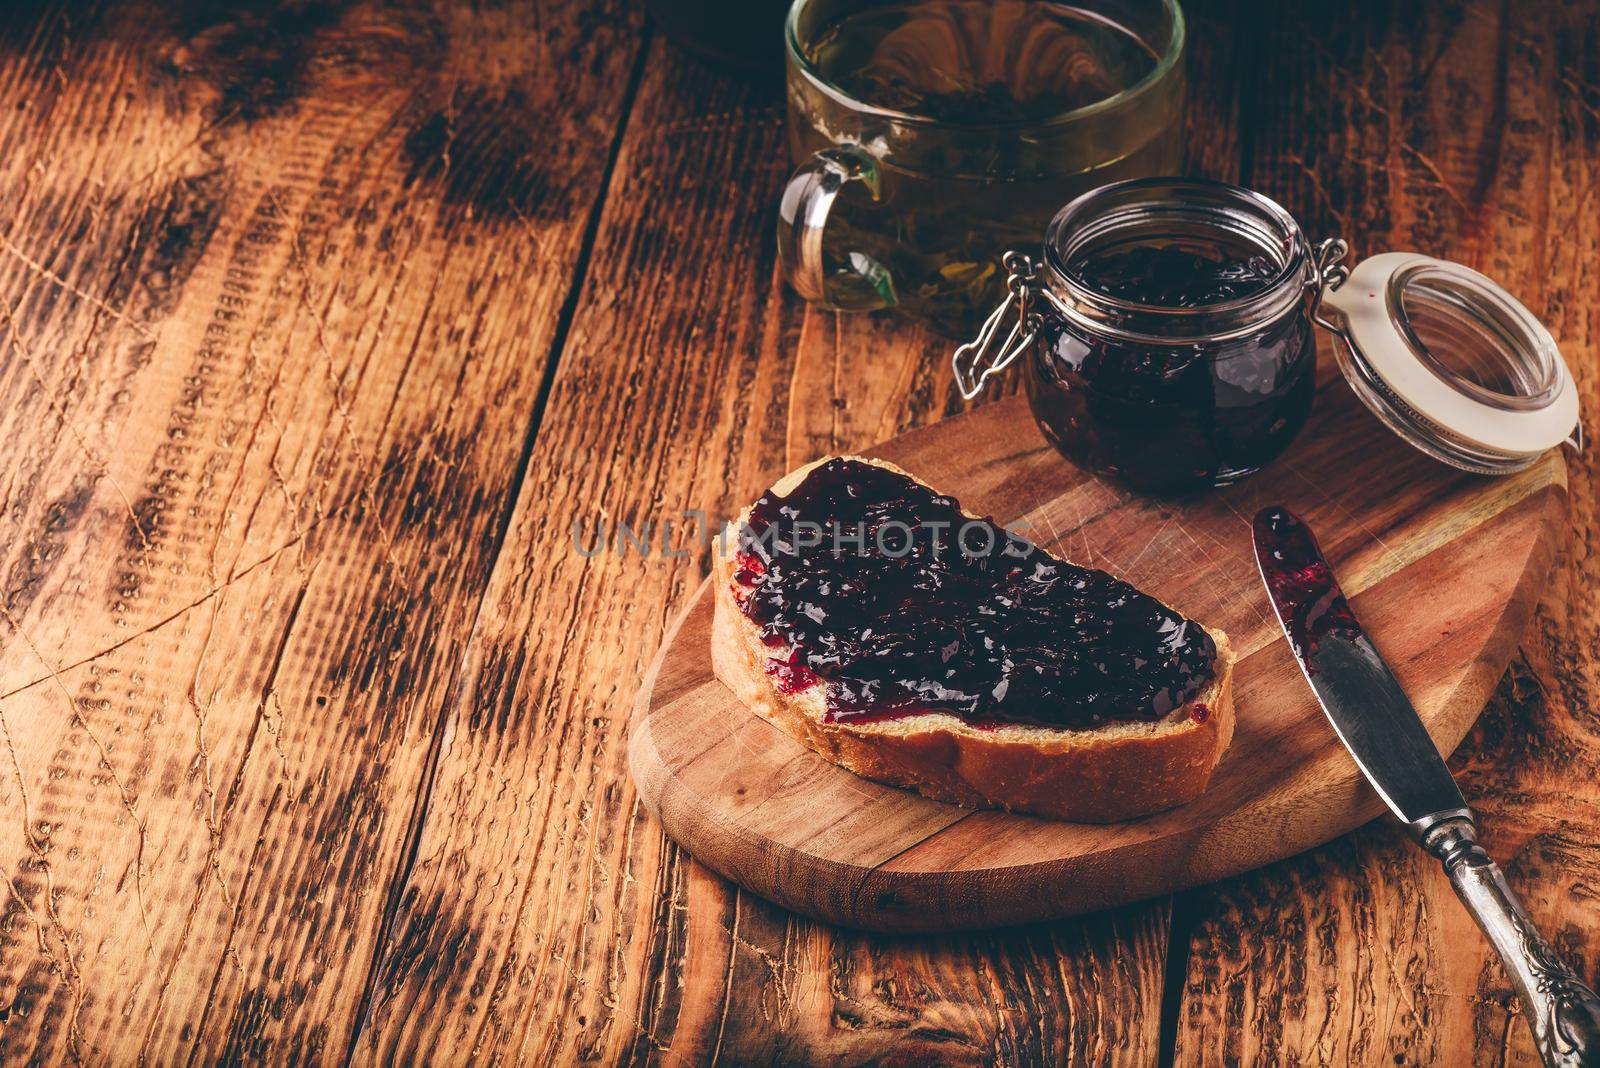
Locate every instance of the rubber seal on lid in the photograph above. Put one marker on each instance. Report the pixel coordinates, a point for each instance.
(1452, 362)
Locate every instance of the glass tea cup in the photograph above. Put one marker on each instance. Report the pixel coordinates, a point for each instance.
(931, 136)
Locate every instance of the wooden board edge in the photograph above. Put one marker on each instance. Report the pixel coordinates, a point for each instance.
(776, 867)
(879, 899)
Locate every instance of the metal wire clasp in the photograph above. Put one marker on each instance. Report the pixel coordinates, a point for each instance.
(1328, 274)
(979, 358)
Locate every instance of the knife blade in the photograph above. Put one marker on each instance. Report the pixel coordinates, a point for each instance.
(1359, 694)
(1380, 727)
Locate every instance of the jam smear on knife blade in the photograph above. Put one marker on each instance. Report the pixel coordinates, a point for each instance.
(874, 586)
(1310, 603)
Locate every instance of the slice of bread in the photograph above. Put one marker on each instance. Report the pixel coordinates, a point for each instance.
(1114, 771)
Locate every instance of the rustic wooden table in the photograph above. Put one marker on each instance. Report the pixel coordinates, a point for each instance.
(322, 327)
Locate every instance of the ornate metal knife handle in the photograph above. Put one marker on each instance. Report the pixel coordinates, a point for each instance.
(1562, 1011)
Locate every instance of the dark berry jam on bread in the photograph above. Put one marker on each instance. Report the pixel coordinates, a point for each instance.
(870, 584)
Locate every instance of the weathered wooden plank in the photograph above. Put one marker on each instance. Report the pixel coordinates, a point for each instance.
(1467, 131)
(249, 469)
(278, 285)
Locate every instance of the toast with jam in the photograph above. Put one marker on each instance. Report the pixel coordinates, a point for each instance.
(899, 636)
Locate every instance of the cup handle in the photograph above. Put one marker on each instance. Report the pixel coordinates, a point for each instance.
(860, 283)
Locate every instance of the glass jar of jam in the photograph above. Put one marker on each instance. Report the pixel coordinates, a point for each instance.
(1173, 347)
(1168, 334)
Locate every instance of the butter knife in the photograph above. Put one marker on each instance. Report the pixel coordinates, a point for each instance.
(1377, 723)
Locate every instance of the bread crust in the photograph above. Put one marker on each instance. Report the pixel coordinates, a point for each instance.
(1115, 772)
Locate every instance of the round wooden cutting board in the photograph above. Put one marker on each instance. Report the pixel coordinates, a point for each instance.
(1444, 569)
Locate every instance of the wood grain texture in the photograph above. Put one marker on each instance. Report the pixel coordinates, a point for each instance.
(547, 918)
(275, 314)
(314, 750)
(781, 820)
(1467, 131)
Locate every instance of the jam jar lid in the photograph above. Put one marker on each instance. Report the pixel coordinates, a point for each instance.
(1450, 361)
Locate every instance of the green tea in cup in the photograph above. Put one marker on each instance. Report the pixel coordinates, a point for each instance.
(932, 136)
